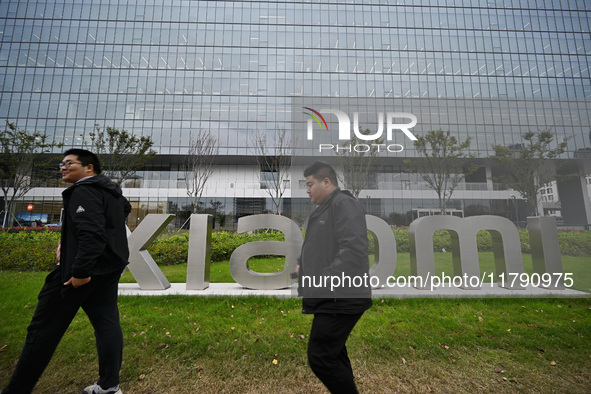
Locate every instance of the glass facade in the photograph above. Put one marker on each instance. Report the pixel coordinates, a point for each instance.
(489, 69)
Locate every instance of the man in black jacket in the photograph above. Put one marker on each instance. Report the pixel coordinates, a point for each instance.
(333, 274)
(92, 255)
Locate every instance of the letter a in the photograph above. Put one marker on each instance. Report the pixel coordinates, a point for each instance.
(289, 248)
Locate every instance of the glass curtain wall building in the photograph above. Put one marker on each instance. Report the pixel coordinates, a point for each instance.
(489, 69)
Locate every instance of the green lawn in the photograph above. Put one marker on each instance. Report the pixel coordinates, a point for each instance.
(184, 344)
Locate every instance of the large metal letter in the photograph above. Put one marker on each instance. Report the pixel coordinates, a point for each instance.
(199, 252)
(384, 262)
(505, 242)
(545, 249)
(141, 264)
(463, 232)
(422, 258)
(290, 248)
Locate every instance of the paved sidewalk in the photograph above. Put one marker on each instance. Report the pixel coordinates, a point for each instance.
(236, 290)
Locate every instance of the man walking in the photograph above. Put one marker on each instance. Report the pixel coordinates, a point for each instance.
(335, 248)
(92, 254)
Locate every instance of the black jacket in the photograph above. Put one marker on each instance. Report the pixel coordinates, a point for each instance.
(336, 245)
(94, 239)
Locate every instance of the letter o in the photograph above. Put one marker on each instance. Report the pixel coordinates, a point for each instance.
(355, 281)
(355, 148)
(396, 145)
(373, 283)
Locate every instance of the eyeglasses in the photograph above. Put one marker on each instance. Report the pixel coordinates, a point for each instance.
(67, 164)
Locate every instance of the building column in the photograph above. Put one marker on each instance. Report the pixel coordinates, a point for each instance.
(574, 201)
(489, 182)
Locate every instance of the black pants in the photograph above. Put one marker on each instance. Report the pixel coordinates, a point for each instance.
(58, 304)
(327, 353)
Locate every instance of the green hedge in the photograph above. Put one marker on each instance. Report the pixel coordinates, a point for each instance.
(28, 250)
(572, 242)
(35, 249)
(575, 243)
(170, 250)
(442, 240)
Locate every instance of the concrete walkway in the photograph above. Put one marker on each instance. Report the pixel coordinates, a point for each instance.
(236, 290)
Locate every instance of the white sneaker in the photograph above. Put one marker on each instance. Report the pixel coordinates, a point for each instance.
(96, 389)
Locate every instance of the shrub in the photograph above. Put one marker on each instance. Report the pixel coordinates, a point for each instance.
(575, 243)
(34, 249)
(572, 242)
(30, 249)
(170, 250)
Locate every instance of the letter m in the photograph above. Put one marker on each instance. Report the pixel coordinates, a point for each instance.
(505, 238)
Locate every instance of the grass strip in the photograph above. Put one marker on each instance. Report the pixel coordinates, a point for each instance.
(180, 344)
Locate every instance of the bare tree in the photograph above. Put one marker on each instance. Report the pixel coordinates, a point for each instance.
(358, 165)
(23, 163)
(274, 159)
(121, 153)
(444, 163)
(198, 165)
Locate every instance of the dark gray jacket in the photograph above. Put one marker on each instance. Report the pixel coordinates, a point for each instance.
(336, 245)
(94, 239)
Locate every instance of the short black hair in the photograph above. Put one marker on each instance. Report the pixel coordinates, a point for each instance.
(86, 157)
(320, 170)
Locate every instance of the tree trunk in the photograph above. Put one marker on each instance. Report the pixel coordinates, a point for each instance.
(6, 210)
